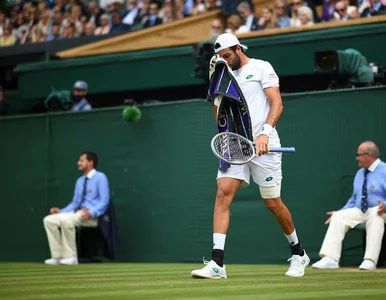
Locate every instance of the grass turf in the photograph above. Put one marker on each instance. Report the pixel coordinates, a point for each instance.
(172, 281)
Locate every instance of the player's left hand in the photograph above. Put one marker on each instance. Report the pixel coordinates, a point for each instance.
(85, 214)
(381, 208)
(261, 145)
(212, 65)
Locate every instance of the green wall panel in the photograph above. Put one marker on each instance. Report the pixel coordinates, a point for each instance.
(162, 176)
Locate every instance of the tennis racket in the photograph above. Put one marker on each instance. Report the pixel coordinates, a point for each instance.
(237, 150)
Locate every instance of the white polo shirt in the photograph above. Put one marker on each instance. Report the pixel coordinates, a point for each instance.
(253, 78)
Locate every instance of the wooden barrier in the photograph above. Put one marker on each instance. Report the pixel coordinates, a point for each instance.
(189, 31)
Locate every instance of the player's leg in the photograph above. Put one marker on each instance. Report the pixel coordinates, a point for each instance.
(299, 260)
(341, 222)
(228, 182)
(226, 190)
(266, 172)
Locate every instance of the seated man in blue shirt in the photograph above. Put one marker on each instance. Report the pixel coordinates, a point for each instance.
(78, 96)
(366, 205)
(91, 199)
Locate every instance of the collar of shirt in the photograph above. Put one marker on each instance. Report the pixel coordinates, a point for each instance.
(374, 165)
(91, 174)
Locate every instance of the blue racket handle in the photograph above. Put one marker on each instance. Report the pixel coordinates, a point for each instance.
(282, 149)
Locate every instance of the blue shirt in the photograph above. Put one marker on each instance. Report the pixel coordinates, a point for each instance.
(97, 196)
(376, 186)
(82, 105)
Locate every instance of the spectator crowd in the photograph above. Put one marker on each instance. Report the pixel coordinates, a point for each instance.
(29, 21)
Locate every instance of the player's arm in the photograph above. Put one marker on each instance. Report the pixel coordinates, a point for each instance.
(270, 84)
(274, 99)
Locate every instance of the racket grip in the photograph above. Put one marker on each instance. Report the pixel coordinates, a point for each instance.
(282, 149)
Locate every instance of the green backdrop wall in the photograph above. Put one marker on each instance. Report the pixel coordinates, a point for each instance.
(162, 176)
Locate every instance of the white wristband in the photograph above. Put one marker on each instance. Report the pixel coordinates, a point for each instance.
(266, 130)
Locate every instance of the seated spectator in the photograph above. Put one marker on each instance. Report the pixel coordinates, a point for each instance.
(21, 27)
(245, 12)
(73, 22)
(44, 24)
(229, 7)
(366, 206)
(132, 11)
(375, 8)
(91, 200)
(306, 16)
(89, 29)
(268, 19)
(328, 10)
(55, 33)
(116, 23)
(104, 27)
(216, 29)
(198, 8)
(235, 26)
(167, 5)
(168, 15)
(178, 6)
(71, 31)
(295, 5)
(282, 18)
(7, 39)
(78, 96)
(94, 13)
(153, 18)
(143, 13)
(344, 11)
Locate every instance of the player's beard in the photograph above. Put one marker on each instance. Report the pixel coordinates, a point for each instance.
(236, 63)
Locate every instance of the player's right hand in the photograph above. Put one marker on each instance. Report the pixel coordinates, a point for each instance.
(261, 145)
(330, 213)
(54, 210)
(212, 65)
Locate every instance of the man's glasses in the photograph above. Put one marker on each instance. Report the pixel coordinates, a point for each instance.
(216, 27)
(360, 154)
(296, 3)
(342, 10)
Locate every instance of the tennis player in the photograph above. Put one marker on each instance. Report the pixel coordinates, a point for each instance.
(260, 86)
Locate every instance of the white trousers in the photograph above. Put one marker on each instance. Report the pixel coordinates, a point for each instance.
(60, 229)
(344, 220)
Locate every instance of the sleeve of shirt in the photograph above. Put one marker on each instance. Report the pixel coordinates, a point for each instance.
(104, 194)
(269, 77)
(75, 200)
(351, 202)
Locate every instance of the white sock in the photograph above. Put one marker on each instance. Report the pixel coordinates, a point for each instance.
(292, 238)
(219, 241)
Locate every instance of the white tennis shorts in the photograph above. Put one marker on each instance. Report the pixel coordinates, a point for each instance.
(265, 170)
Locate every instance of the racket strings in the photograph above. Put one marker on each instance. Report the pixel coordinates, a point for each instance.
(233, 148)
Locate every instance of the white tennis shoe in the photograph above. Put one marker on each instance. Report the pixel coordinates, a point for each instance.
(297, 265)
(52, 261)
(326, 263)
(211, 271)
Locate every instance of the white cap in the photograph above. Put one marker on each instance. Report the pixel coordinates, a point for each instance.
(80, 85)
(226, 40)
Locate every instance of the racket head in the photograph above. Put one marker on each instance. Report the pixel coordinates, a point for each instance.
(232, 148)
